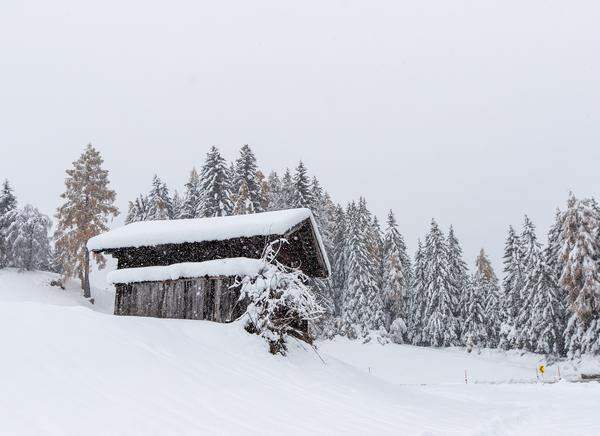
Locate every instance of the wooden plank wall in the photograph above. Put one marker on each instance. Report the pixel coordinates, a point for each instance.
(201, 298)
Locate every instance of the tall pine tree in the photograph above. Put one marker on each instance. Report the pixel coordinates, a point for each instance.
(457, 269)
(177, 206)
(375, 310)
(489, 291)
(417, 299)
(338, 257)
(441, 325)
(275, 192)
(192, 204)
(88, 205)
(580, 277)
(362, 306)
(215, 185)
(245, 173)
(396, 273)
(511, 290)
(160, 203)
(301, 194)
(546, 327)
(474, 331)
(8, 202)
(531, 254)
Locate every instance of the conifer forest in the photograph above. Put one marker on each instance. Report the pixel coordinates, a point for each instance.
(543, 298)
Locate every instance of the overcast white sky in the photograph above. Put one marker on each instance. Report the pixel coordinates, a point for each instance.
(473, 112)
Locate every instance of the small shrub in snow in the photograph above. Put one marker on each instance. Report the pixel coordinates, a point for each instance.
(398, 331)
(280, 303)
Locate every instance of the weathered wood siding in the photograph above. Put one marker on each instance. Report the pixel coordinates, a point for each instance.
(302, 251)
(200, 298)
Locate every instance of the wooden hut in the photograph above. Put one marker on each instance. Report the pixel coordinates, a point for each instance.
(186, 268)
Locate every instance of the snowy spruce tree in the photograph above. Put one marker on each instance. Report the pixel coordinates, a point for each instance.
(492, 295)
(215, 185)
(416, 298)
(580, 276)
(160, 203)
(474, 332)
(546, 328)
(322, 209)
(552, 251)
(301, 189)
(192, 203)
(531, 254)
(511, 290)
(483, 298)
(88, 205)
(362, 305)
(375, 314)
(356, 281)
(319, 203)
(396, 276)
(8, 202)
(441, 324)
(275, 192)
(457, 269)
(26, 239)
(245, 170)
(287, 190)
(377, 252)
(139, 210)
(338, 258)
(177, 206)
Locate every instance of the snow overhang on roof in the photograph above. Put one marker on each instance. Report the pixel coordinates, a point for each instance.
(239, 266)
(153, 233)
(150, 233)
(199, 230)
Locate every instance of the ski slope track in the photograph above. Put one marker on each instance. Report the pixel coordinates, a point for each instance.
(69, 368)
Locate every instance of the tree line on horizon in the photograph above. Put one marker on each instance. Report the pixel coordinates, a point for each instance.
(547, 302)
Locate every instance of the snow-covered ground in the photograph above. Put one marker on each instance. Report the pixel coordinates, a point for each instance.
(71, 368)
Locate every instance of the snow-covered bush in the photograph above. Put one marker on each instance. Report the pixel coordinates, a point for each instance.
(398, 331)
(327, 327)
(26, 239)
(280, 304)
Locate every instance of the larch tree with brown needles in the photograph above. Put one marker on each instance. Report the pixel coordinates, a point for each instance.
(88, 206)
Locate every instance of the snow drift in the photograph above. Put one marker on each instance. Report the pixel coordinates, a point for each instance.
(69, 368)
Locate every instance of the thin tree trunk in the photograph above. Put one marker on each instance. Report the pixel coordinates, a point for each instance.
(86, 275)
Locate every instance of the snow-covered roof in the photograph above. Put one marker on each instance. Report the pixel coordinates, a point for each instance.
(150, 233)
(238, 266)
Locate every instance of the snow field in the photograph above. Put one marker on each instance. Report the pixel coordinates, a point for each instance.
(70, 368)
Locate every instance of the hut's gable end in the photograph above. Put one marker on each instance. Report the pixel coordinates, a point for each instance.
(303, 251)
